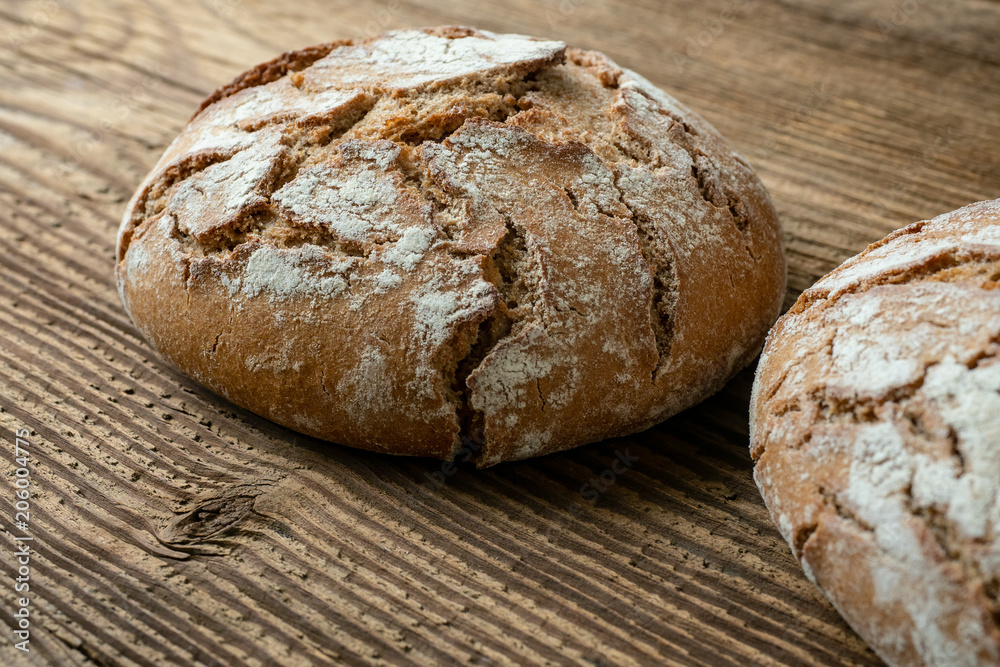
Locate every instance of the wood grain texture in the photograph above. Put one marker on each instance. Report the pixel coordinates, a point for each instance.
(174, 528)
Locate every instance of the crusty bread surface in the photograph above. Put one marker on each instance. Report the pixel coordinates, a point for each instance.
(448, 237)
(875, 431)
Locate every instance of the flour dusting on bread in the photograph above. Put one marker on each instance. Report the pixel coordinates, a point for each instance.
(474, 236)
(876, 435)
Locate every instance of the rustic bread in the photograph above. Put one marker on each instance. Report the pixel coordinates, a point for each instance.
(446, 236)
(875, 427)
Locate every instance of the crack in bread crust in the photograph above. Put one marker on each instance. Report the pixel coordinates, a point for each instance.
(660, 260)
(320, 168)
(286, 63)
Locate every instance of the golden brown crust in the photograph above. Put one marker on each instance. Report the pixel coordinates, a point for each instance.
(876, 437)
(447, 235)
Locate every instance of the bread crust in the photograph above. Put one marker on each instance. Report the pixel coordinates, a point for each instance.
(445, 236)
(875, 431)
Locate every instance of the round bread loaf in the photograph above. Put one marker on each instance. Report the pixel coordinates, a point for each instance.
(446, 236)
(875, 427)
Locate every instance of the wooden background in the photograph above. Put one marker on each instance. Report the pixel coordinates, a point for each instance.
(174, 528)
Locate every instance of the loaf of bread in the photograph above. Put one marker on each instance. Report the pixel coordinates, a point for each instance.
(875, 427)
(443, 237)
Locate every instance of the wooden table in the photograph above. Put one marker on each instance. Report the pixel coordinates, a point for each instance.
(171, 527)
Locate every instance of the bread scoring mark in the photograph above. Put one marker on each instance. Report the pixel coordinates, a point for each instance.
(273, 70)
(415, 59)
(951, 240)
(269, 225)
(646, 140)
(279, 103)
(149, 202)
(227, 134)
(658, 255)
(715, 186)
(508, 270)
(576, 285)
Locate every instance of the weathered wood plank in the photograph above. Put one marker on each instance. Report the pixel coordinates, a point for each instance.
(173, 528)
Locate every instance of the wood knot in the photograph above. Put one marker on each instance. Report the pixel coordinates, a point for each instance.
(208, 519)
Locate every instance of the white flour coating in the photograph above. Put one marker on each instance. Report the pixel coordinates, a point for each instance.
(475, 150)
(225, 127)
(218, 194)
(204, 138)
(912, 250)
(137, 259)
(986, 236)
(890, 258)
(354, 205)
(970, 218)
(597, 183)
(687, 226)
(383, 153)
(273, 101)
(878, 354)
(366, 387)
(422, 387)
(691, 220)
(649, 112)
(917, 365)
(969, 401)
(387, 280)
(563, 393)
(515, 364)
(931, 612)
(632, 81)
(875, 357)
(222, 128)
(691, 226)
(284, 274)
(588, 268)
(533, 443)
(889, 480)
(410, 58)
(438, 308)
(879, 477)
(876, 369)
(407, 252)
(288, 358)
(137, 263)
